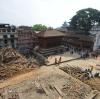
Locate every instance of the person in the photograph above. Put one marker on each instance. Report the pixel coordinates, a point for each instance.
(96, 56)
(59, 60)
(91, 71)
(55, 60)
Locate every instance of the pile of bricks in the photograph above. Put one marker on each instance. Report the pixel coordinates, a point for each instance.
(11, 62)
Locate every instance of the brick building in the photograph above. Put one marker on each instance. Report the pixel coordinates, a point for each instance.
(50, 41)
(27, 39)
(79, 40)
(50, 38)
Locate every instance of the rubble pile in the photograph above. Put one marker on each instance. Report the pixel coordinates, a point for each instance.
(11, 62)
(85, 76)
(76, 72)
(8, 55)
(48, 83)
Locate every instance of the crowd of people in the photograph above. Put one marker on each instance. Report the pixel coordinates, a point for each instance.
(82, 52)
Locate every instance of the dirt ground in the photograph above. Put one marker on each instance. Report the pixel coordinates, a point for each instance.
(87, 64)
(45, 83)
(64, 57)
(51, 82)
(94, 83)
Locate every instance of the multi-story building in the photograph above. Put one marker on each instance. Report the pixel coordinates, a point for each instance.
(79, 40)
(27, 39)
(8, 36)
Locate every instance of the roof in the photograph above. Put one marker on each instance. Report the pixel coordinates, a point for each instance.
(50, 33)
(80, 36)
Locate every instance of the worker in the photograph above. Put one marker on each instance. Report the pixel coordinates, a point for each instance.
(59, 60)
(55, 60)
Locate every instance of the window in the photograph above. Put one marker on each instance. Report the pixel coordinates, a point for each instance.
(8, 30)
(12, 41)
(5, 36)
(98, 47)
(3, 30)
(5, 41)
(13, 30)
(12, 36)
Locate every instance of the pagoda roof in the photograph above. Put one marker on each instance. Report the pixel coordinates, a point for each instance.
(50, 33)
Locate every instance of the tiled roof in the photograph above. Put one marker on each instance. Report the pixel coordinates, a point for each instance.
(50, 33)
(80, 36)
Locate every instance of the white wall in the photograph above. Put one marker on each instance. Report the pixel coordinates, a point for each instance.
(97, 42)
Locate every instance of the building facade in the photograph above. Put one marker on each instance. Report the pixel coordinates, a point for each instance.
(8, 36)
(97, 42)
(96, 32)
(50, 42)
(27, 39)
(79, 40)
(50, 38)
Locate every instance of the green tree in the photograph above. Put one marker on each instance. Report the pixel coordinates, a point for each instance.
(39, 27)
(85, 19)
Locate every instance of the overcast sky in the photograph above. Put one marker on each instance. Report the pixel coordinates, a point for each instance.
(48, 12)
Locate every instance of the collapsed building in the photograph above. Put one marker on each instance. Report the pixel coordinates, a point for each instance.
(47, 83)
(12, 63)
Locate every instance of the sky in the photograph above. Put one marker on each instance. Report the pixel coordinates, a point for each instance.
(51, 13)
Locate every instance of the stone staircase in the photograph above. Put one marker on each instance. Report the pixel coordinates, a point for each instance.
(52, 51)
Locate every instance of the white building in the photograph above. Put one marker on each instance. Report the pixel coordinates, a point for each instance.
(97, 42)
(96, 31)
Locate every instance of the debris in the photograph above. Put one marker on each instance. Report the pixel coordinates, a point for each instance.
(45, 90)
(58, 90)
(11, 62)
(84, 76)
(76, 72)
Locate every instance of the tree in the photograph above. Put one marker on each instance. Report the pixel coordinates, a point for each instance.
(85, 19)
(39, 27)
